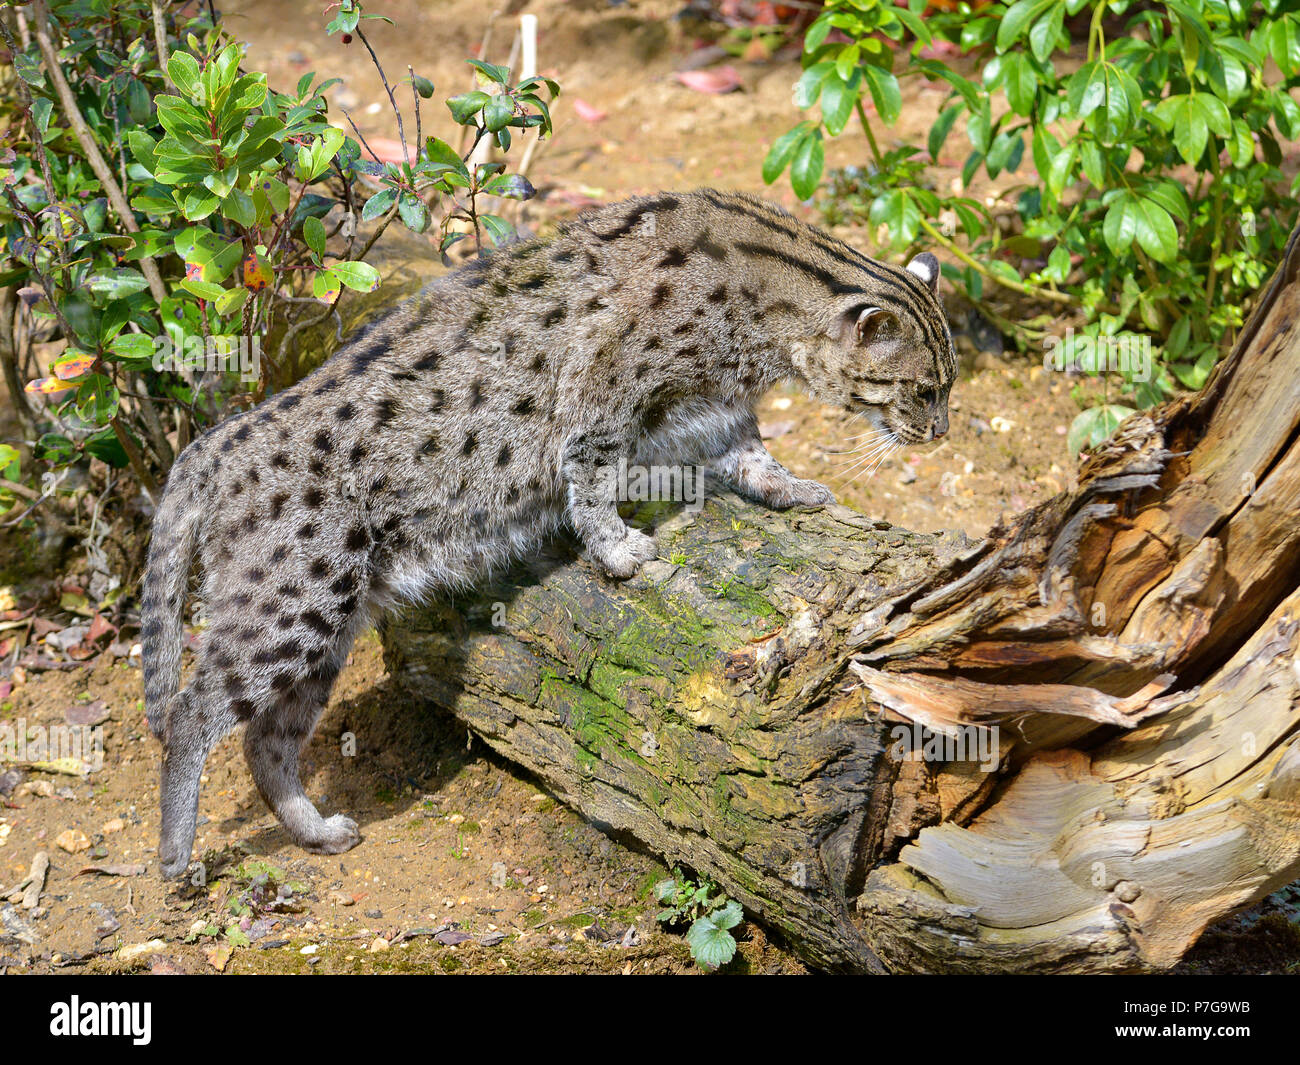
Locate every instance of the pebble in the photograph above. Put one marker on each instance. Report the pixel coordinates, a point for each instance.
(115, 825)
(380, 943)
(139, 950)
(72, 840)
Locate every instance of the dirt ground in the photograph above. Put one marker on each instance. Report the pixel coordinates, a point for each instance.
(466, 865)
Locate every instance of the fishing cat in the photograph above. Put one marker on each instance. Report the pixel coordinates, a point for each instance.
(464, 427)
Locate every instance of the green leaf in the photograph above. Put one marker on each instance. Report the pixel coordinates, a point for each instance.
(808, 89)
(941, 128)
(143, 147)
(1016, 18)
(1094, 425)
(497, 112)
(1184, 115)
(465, 106)
(205, 290)
(325, 286)
(1019, 82)
(239, 208)
(197, 204)
(1156, 233)
(500, 75)
(838, 99)
(1046, 31)
(498, 228)
(885, 93)
(1086, 89)
(413, 212)
(29, 70)
(361, 277)
(313, 232)
(97, 400)
(183, 70)
(712, 946)
(378, 204)
(133, 347)
(511, 187)
(807, 165)
(231, 300)
(782, 151)
(116, 284)
(730, 915)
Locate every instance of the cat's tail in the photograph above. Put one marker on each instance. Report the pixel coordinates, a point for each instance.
(166, 581)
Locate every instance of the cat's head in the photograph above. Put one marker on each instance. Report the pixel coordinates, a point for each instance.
(887, 353)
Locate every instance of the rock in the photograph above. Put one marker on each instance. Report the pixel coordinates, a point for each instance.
(115, 825)
(379, 944)
(72, 840)
(36, 880)
(772, 430)
(17, 928)
(107, 922)
(132, 951)
(95, 713)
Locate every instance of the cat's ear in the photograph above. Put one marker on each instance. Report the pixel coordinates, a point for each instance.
(872, 324)
(926, 267)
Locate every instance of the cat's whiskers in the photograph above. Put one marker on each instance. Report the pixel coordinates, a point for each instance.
(874, 465)
(871, 460)
(870, 439)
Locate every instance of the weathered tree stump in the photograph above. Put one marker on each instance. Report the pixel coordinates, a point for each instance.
(746, 705)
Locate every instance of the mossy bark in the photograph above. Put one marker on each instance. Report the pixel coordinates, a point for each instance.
(1129, 646)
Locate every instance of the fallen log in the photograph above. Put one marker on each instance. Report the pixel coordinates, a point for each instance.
(1068, 747)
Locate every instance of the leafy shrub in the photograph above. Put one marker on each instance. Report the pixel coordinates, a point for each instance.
(1160, 202)
(164, 211)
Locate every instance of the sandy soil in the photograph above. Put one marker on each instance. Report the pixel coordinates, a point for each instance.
(466, 865)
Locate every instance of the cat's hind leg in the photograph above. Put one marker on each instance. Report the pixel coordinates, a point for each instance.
(197, 718)
(273, 741)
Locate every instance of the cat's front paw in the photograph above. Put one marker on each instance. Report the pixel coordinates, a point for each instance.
(781, 492)
(622, 558)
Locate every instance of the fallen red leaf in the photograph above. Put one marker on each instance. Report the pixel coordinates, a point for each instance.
(587, 112)
(716, 81)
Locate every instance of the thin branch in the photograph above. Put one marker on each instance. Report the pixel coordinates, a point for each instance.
(160, 41)
(87, 141)
(392, 99)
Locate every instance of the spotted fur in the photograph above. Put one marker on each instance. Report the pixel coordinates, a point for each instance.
(468, 424)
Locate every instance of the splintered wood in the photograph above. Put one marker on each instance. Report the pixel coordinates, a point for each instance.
(758, 707)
